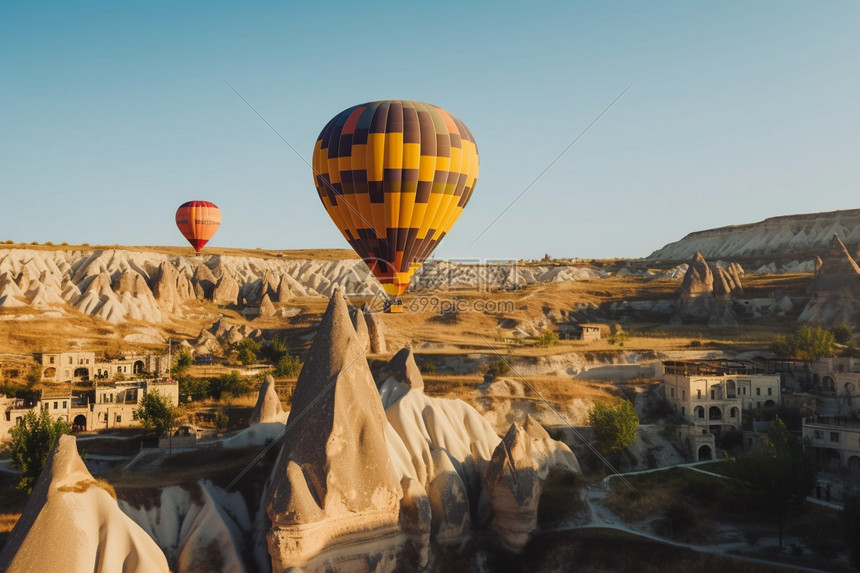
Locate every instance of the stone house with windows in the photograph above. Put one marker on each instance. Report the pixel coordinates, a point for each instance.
(714, 393)
(67, 366)
(836, 443)
(83, 367)
(584, 332)
(115, 405)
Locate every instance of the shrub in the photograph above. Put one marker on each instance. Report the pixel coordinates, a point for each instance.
(288, 366)
(231, 383)
(222, 419)
(498, 368)
(428, 368)
(548, 338)
(842, 333)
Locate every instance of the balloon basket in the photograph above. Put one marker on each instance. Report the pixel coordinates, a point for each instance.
(393, 306)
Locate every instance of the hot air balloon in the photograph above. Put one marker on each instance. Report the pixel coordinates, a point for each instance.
(394, 176)
(198, 221)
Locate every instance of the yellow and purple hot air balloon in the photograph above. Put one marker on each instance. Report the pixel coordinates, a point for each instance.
(198, 221)
(394, 176)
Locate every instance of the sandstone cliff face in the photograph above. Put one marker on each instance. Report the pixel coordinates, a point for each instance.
(773, 236)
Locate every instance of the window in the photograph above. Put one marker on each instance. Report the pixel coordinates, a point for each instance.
(70, 360)
(712, 394)
(834, 436)
(758, 391)
(55, 405)
(65, 404)
(819, 435)
(758, 404)
(673, 392)
(684, 394)
(51, 360)
(770, 391)
(118, 418)
(698, 394)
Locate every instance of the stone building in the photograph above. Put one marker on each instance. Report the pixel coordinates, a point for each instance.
(83, 366)
(115, 405)
(836, 443)
(714, 393)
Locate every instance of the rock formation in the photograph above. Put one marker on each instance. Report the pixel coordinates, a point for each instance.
(171, 288)
(785, 235)
(708, 294)
(268, 407)
(72, 523)
(334, 479)
(361, 330)
(199, 530)
(226, 291)
(835, 288)
(697, 290)
(376, 330)
(266, 307)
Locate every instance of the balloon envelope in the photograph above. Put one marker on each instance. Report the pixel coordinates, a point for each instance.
(394, 176)
(198, 221)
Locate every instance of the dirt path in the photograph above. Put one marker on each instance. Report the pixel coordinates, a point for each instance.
(602, 518)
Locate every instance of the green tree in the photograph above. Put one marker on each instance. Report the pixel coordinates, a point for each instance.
(222, 419)
(288, 366)
(779, 474)
(32, 441)
(841, 333)
(156, 414)
(192, 389)
(274, 350)
(806, 343)
(231, 384)
(615, 424)
(34, 376)
(247, 349)
(183, 363)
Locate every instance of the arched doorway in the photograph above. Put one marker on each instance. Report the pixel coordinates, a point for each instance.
(733, 413)
(700, 412)
(50, 372)
(831, 460)
(769, 404)
(715, 413)
(80, 423)
(83, 374)
(138, 367)
(854, 466)
(705, 453)
(731, 389)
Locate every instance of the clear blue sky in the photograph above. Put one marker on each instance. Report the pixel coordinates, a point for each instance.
(114, 113)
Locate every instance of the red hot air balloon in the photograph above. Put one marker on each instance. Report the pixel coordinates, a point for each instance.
(198, 221)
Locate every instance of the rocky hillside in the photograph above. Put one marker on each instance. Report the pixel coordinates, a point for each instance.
(789, 236)
(120, 285)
